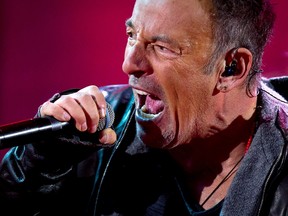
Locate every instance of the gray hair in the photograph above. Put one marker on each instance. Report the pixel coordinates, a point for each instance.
(242, 23)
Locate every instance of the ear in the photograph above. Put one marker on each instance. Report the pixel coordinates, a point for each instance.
(236, 68)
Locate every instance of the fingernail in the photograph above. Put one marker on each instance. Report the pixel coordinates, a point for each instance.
(107, 139)
(104, 139)
(66, 116)
(93, 129)
(84, 127)
(102, 112)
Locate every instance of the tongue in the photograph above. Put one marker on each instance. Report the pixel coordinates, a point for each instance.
(153, 105)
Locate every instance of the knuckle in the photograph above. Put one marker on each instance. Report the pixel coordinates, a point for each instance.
(44, 108)
(93, 88)
(66, 99)
(86, 96)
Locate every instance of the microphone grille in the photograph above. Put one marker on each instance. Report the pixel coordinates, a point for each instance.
(108, 120)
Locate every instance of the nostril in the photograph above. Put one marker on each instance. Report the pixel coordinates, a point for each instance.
(138, 74)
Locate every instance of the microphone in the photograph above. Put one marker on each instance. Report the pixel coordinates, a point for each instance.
(37, 129)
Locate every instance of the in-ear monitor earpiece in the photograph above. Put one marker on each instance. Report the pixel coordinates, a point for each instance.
(230, 70)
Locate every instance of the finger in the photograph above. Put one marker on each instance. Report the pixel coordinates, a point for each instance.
(100, 103)
(74, 108)
(51, 109)
(98, 97)
(90, 108)
(107, 136)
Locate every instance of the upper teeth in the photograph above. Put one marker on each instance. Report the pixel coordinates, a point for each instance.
(141, 92)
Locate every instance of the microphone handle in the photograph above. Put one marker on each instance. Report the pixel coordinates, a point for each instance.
(37, 129)
(28, 131)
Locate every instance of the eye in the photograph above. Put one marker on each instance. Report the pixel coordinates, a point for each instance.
(129, 34)
(161, 48)
(164, 51)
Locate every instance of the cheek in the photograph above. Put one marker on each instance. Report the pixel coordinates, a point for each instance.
(192, 104)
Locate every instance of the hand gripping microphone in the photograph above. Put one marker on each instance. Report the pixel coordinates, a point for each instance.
(38, 129)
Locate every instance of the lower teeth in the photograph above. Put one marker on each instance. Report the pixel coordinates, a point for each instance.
(144, 113)
(144, 109)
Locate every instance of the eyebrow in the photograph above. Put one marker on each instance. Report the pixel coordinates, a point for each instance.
(163, 38)
(129, 23)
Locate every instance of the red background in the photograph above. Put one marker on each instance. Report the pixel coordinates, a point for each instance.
(50, 45)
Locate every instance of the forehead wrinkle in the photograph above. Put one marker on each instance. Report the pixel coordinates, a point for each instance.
(162, 37)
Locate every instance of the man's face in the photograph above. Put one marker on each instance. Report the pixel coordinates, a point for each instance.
(169, 43)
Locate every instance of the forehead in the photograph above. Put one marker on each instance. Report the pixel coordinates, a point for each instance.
(172, 16)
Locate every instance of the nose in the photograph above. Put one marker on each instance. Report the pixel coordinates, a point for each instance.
(135, 60)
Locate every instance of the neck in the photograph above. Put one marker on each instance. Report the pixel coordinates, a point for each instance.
(206, 163)
(214, 153)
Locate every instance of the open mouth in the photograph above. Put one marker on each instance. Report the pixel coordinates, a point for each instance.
(148, 106)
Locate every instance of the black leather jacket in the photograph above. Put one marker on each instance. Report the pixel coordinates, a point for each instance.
(125, 179)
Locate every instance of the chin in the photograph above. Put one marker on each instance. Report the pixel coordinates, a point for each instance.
(152, 135)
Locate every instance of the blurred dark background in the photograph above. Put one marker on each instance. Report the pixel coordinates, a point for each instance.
(48, 46)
